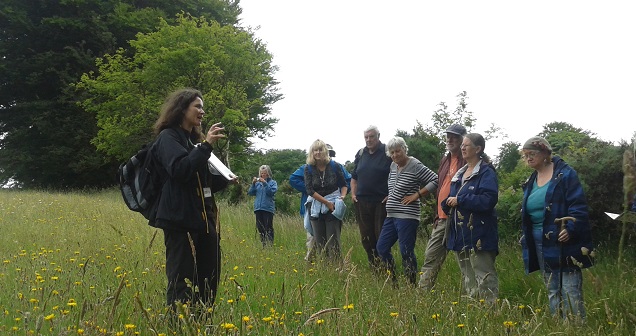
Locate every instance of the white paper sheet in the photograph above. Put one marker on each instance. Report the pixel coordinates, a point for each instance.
(629, 216)
(217, 167)
(612, 215)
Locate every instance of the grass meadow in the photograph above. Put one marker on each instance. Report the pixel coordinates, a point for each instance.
(82, 263)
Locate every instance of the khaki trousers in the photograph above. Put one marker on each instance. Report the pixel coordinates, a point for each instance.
(435, 255)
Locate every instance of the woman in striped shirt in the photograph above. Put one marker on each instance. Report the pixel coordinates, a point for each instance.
(409, 180)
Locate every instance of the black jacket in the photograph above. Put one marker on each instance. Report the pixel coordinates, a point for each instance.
(181, 204)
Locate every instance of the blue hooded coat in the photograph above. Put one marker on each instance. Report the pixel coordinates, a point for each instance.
(473, 223)
(564, 198)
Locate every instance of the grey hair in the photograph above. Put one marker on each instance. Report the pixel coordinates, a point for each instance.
(478, 140)
(266, 168)
(372, 128)
(394, 143)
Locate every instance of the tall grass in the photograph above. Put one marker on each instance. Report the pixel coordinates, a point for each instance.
(82, 263)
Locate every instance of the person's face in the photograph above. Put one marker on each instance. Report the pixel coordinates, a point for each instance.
(263, 173)
(453, 142)
(398, 155)
(372, 139)
(318, 154)
(534, 158)
(469, 150)
(193, 115)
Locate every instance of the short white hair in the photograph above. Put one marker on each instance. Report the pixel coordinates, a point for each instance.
(394, 143)
(266, 168)
(372, 128)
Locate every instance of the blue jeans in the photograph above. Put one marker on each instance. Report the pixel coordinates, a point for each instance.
(404, 232)
(566, 292)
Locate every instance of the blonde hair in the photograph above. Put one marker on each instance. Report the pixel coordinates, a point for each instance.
(324, 152)
(265, 168)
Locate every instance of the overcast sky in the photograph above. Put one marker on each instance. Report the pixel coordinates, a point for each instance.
(345, 65)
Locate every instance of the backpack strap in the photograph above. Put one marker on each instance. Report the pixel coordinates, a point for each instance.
(358, 155)
(333, 165)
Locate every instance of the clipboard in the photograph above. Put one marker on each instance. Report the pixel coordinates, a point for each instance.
(628, 216)
(218, 168)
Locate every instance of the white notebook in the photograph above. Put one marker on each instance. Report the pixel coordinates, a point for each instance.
(218, 168)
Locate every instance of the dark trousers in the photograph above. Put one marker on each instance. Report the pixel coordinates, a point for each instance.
(370, 217)
(327, 229)
(265, 226)
(200, 263)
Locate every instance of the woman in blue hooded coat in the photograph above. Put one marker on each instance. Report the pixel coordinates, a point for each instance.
(556, 239)
(473, 233)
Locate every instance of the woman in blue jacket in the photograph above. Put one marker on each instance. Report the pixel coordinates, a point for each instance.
(264, 188)
(556, 230)
(473, 233)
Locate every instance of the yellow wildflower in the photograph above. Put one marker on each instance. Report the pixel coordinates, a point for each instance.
(227, 326)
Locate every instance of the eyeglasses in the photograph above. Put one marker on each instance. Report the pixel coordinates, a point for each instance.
(465, 145)
(529, 155)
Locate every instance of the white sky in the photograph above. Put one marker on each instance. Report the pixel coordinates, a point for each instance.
(348, 64)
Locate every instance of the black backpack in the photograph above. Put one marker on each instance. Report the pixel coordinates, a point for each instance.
(140, 181)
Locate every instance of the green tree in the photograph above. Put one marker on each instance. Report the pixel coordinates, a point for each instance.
(231, 68)
(44, 47)
(426, 147)
(442, 118)
(562, 135)
(508, 157)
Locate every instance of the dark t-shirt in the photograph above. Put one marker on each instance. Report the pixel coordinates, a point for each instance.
(371, 171)
(324, 183)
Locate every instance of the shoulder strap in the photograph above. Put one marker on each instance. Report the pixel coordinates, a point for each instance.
(360, 151)
(358, 155)
(333, 165)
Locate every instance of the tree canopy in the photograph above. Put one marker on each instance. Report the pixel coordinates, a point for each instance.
(47, 45)
(230, 68)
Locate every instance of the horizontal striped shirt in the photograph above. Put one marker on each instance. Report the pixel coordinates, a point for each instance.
(408, 181)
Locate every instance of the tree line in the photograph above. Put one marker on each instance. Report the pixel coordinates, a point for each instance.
(599, 164)
(81, 83)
